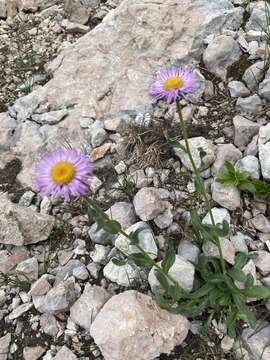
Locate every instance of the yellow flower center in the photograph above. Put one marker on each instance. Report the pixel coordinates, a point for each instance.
(62, 173)
(175, 82)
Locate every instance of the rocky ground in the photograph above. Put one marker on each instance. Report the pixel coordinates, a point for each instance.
(78, 72)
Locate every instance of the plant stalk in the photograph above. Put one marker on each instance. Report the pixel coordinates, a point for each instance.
(198, 177)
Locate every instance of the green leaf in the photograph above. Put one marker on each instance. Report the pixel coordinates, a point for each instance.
(140, 260)
(237, 274)
(231, 176)
(241, 260)
(162, 280)
(244, 312)
(260, 292)
(169, 257)
(177, 145)
(119, 262)
(203, 291)
(175, 292)
(134, 237)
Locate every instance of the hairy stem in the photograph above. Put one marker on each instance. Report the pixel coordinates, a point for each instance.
(198, 177)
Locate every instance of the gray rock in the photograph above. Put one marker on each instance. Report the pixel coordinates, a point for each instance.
(146, 240)
(63, 272)
(81, 273)
(238, 89)
(58, 299)
(16, 224)
(265, 160)
(196, 143)
(189, 251)
(27, 270)
(182, 271)
(148, 327)
(244, 130)
(225, 152)
(226, 196)
(77, 11)
(264, 89)
(124, 275)
(100, 254)
(27, 198)
(256, 341)
(73, 28)
(219, 215)
(163, 221)
(25, 106)
(65, 353)
(7, 129)
(262, 261)
(21, 309)
(222, 52)
(123, 213)
(85, 62)
(49, 324)
(264, 134)
(249, 164)
(40, 287)
(253, 75)
(86, 308)
(251, 104)
(252, 148)
(4, 346)
(228, 250)
(257, 20)
(239, 242)
(148, 203)
(98, 136)
(50, 118)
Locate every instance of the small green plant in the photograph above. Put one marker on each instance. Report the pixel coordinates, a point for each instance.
(241, 179)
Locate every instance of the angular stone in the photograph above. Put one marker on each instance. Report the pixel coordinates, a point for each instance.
(228, 250)
(10, 259)
(258, 19)
(27, 270)
(18, 311)
(219, 215)
(188, 251)
(84, 311)
(58, 299)
(50, 118)
(124, 275)
(7, 129)
(251, 104)
(253, 75)
(240, 242)
(148, 203)
(256, 341)
(145, 237)
(265, 160)
(16, 224)
(124, 67)
(49, 324)
(264, 134)
(249, 164)
(65, 353)
(122, 212)
(4, 346)
(181, 270)
(222, 52)
(261, 223)
(145, 326)
(40, 287)
(225, 152)
(33, 353)
(195, 143)
(262, 261)
(226, 196)
(244, 130)
(238, 89)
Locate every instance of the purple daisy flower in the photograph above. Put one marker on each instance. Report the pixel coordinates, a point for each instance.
(169, 84)
(63, 173)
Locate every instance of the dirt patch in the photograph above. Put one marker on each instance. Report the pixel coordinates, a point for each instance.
(9, 182)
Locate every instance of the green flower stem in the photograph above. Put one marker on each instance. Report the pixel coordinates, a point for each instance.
(152, 262)
(198, 177)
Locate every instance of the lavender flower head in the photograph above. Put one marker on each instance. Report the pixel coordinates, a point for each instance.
(169, 84)
(63, 173)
